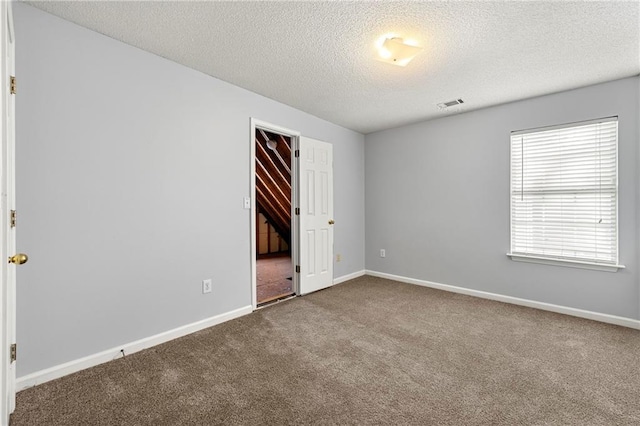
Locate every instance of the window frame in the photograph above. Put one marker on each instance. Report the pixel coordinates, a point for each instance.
(557, 261)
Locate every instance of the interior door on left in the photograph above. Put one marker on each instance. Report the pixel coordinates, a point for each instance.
(7, 206)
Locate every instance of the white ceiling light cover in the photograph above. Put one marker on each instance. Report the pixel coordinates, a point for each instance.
(396, 51)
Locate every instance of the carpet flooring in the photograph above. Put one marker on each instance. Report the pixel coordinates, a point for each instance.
(273, 278)
(369, 351)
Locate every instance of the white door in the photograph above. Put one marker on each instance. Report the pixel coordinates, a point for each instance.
(7, 227)
(316, 215)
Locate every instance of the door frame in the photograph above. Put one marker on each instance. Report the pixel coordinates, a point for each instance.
(294, 135)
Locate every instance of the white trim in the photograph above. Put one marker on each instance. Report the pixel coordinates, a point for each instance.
(348, 277)
(294, 135)
(565, 125)
(61, 370)
(565, 262)
(272, 128)
(596, 316)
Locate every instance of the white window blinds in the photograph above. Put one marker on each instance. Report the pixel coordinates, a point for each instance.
(564, 189)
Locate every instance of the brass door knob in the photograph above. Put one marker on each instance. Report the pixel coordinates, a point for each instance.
(19, 258)
(331, 222)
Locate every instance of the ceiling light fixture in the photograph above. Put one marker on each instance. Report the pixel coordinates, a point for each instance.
(397, 51)
(271, 144)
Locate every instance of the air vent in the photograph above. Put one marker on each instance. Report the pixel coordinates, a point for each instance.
(454, 102)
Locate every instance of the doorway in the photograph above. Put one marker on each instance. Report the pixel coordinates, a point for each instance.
(291, 222)
(273, 187)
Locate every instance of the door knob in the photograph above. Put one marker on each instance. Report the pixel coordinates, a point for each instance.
(331, 221)
(19, 258)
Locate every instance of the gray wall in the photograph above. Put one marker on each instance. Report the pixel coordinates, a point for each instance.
(437, 199)
(131, 171)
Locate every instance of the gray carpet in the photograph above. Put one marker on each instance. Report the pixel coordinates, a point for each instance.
(369, 351)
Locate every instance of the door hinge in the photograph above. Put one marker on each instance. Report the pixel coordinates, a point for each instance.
(297, 153)
(13, 352)
(13, 85)
(12, 220)
(297, 211)
(297, 269)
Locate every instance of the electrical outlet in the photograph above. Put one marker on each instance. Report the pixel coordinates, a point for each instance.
(206, 286)
(338, 257)
(383, 253)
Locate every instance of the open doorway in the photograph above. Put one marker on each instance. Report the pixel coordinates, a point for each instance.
(298, 211)
(273, 216)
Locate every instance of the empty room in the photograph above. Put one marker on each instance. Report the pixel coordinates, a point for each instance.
(320, 212)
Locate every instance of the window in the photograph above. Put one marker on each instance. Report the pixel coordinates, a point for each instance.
(564, 195)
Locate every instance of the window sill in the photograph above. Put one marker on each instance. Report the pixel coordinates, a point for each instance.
(567, 263)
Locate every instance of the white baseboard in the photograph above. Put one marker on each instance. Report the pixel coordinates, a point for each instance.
(610, 319)
(61, 370)
(348, 277)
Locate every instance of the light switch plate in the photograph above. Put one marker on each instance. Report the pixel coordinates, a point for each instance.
(247, 203)
(206, 286)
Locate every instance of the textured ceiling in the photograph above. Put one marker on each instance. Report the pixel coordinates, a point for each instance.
(319, 57)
